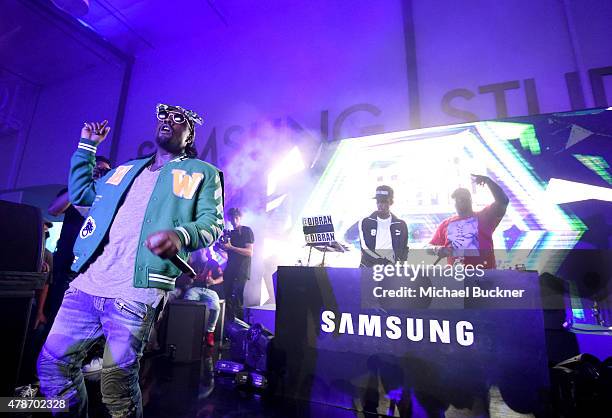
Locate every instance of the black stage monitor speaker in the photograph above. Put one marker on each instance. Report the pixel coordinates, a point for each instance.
(185, 330)
(22, 242)
(21, 249)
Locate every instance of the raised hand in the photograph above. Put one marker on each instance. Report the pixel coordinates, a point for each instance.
(480, 180)
(96, 131)
(501, 198)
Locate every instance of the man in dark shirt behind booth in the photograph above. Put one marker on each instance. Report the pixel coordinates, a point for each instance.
(238, 269)
(467, 237)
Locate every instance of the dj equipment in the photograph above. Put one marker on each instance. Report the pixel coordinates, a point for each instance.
(319, 234)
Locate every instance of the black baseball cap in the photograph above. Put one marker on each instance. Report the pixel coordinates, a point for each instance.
(383, 192)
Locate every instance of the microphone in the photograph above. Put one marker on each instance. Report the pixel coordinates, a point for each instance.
(440, 257)
(183, 266)
(175, 259)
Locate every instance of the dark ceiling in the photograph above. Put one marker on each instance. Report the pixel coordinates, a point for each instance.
(42, 45)
(136, 26)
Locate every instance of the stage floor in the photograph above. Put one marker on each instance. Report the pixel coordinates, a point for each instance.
(193, 390)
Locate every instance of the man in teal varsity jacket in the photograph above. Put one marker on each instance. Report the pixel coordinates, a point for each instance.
(143, 213)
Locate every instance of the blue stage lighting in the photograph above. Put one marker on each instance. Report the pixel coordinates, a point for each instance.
(230, 367)
(258, 380)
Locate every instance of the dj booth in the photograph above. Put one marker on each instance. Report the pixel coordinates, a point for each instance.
(339, 344)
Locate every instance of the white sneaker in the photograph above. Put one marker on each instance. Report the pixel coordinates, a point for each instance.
(27, 391)
(94, 366)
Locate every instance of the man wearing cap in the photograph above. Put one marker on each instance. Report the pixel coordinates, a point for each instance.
(467, 237)
(382, 235)
(144, 213)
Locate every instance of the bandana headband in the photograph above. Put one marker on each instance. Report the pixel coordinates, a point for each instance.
(192, 116)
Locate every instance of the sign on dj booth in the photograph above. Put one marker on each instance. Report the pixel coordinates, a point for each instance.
(452, 344)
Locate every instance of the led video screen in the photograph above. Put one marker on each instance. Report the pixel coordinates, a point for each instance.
(554, 169)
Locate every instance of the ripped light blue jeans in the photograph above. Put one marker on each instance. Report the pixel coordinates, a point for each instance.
(210, 299)
(81, 320)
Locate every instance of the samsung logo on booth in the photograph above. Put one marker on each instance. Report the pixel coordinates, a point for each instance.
(414, 329)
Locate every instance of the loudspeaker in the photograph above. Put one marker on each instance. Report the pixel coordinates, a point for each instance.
(21, 249)
(185, 330)
(22, 245)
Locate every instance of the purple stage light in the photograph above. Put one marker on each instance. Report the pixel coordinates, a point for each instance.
(230, 367)
(76, 8)
(259, 380)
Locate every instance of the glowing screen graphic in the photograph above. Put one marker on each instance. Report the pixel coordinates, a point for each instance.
(542, 175)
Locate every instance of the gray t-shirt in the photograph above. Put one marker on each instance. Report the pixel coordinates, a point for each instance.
(112, 274)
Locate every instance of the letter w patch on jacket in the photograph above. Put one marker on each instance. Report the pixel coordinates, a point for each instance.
(184, 185)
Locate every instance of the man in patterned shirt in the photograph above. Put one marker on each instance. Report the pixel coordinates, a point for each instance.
(468, 236)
